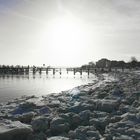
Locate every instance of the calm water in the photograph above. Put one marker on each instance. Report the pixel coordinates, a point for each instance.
(14, 86)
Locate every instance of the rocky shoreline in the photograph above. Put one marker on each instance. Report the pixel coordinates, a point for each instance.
(108, 109)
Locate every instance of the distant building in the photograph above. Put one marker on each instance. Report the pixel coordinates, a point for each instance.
(103, 63)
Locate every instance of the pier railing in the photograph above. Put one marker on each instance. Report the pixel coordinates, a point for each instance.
(27, 69)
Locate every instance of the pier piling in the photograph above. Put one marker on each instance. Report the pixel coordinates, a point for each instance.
(60, 72)
(74, 71)
(40, 70)
(47, 71)
(88, 73)
(81, 73)
(53, 71)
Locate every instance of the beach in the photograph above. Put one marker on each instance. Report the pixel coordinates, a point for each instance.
(108, 109)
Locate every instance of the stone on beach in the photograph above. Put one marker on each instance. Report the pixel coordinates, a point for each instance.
(81, 106)
(58, 138)
(101, 111)
(37, 136)
(25, 117)
(107, 105)
(84, 117)
(85, 133)
(24, 108)
(14, 130)
(122, 137)
(58, 126)
(40, 124)
(72, 118)
(100, 123)
(45, 110)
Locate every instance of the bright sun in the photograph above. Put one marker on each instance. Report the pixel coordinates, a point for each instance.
(64, 39)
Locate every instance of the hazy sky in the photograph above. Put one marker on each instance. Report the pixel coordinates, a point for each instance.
(68, 32)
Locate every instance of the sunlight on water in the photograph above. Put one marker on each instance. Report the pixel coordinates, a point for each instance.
(14, 86)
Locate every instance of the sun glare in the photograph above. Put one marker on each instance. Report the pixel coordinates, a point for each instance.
(63, 38)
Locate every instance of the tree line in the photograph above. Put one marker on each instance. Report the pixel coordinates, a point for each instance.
(106, 63)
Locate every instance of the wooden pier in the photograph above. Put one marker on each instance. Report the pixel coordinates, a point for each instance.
(54, 70)
(14, 69)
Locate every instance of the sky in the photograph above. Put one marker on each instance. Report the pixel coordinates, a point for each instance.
(68, 32)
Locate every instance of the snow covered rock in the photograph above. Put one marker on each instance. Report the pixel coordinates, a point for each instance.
(25, 117)
(84, 117)
(58, 125)
(123, 137)
(13, 130)
(24, 108)
(107, 105)
(85, 133)
(58, 138)
(40, 124)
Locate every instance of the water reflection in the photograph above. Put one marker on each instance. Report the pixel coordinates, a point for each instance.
(13, 86)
